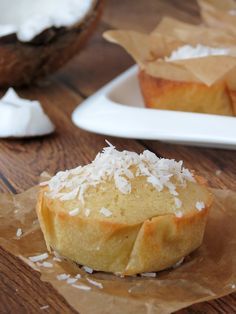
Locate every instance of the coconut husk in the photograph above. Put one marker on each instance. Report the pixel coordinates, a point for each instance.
(22, 63)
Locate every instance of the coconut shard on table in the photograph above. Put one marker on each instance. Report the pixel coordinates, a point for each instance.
(38, 37)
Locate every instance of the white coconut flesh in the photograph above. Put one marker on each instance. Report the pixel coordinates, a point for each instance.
(21, 117)
(28, 18)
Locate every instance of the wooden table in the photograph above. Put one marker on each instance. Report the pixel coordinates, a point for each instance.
(21, 161)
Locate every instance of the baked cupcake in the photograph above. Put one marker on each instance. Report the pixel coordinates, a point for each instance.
(183, 67)
(124, 213)
(160, 93)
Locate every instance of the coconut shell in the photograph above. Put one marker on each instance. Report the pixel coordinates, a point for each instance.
(22, 63)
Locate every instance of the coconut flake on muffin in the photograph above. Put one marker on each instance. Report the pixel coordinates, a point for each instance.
(121, 166)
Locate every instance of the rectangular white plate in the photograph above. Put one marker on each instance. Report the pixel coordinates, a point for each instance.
(117, 109)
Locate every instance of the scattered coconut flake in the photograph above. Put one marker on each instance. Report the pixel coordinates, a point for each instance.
(43, 183)
(87, 269)
(95, 283)
(74, 212)
(31, 119)
(56, 254)
(71, 281)
(45, 264)
(78, 276)
(200, 206)
(148, 275)
(63, 277)
(44, 307)
(179, 213)
(218, 172)
(178, 202)
(19, 232)
(105, 212)
(57, 259)
(119, 275)
(120, 167)
(178, 263)
(38, 258)
(233, 286)
(82, 287)
(87, 212)
(199, 51)
(232, 12)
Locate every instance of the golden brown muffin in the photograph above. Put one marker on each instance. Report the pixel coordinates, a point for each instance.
(124, 213)
(165, 94)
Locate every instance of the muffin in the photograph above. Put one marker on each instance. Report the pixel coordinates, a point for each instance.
(183, 67)
(197, 97)
(124, 213)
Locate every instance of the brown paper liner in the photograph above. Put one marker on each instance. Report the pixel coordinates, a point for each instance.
(209, 273)
(218, 14)
(150, 50)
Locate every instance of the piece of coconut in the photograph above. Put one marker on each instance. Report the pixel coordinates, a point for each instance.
(22, 117)
(40, 36)
(32, 17)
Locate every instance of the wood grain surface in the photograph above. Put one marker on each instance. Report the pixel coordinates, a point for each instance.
(21, 161)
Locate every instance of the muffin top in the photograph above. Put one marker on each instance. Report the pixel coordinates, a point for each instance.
(126, 187)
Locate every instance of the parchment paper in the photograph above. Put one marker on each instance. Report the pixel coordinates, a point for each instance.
(210, 272)
(149, 51)
(220, 14)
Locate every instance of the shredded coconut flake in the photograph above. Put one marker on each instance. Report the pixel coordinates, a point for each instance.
(74, 212)
(176, 265)
(71, 281)
(44, 307)
(233, 286)
(87, 212)
(179, 214)
(200, 206)
(218, 172)
(19, 232)
(95, 283)
(38, 258)
(87, 269)
(82, 287)
(105, 212)
(199, 51)
(62, 277)
(78, 276)
(45, 264)
(121, 167)
(43, 183)
(148, 275)
(178, 202)
(232, 12)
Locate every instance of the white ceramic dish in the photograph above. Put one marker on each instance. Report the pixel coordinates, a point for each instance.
(117, 109)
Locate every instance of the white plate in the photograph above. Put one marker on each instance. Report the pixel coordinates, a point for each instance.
(117, 109)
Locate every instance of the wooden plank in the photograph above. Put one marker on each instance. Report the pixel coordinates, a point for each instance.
(143, 16)
(22, 161)
(22, 291)
(99, 63)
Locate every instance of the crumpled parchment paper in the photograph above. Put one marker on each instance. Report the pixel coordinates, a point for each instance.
(208, 273)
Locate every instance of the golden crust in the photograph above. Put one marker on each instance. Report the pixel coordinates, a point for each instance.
(186, 96)
(120, 247)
